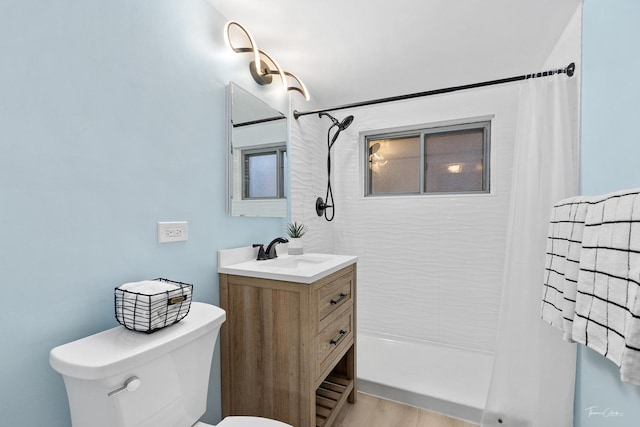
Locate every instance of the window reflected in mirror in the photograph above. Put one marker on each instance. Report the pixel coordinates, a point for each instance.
(264, 173)
(257, 140)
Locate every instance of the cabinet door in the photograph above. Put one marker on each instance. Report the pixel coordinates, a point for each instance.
(263, 369)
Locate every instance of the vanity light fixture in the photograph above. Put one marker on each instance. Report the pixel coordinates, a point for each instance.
(263, 67)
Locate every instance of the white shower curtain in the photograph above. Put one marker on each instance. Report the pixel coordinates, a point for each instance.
(532, 382)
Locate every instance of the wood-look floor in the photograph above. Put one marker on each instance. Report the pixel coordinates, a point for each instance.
(370, 411)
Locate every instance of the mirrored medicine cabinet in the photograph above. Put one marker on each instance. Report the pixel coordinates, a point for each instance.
(257, 163)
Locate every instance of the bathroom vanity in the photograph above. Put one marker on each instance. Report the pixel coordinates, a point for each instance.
(289, 342)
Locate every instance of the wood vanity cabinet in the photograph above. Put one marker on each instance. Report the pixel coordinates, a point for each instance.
(289, 349)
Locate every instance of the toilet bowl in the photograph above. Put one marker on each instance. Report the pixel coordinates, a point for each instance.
(245, 422)
(122, 378)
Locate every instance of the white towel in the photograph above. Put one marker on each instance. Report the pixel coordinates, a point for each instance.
(148, 287)
(564, 244)
(607, 310)
(144, 305)
(630, 366)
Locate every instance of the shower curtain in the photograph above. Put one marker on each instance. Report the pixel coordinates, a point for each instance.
(532, 381)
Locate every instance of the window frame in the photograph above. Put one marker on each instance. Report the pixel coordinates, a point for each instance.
(280, 151)
(422, 131)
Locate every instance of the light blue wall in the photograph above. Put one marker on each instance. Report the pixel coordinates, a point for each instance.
(610, 161)
(111, 119)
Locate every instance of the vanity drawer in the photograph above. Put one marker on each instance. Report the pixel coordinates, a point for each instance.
(337, 336)
(334, 295)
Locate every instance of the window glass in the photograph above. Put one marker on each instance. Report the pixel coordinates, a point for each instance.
(395, 165)
(285, 173)
(454, 161)
(261, 175)
(432, 160)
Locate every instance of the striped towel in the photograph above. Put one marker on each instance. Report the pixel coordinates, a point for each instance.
(564, 245)
(607, 311)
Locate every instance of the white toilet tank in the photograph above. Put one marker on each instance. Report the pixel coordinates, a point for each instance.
(167, 373)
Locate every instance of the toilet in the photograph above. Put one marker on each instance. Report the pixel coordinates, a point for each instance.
(121, 378)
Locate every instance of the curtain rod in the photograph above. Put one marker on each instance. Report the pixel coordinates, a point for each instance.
(569, 71)
(255, 122)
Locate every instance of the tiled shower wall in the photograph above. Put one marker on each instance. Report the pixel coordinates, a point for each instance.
(430, 267)
(308, 176)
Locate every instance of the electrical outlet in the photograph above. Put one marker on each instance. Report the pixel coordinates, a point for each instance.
(176, 231)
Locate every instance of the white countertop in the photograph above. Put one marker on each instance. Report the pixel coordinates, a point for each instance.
(306, 268)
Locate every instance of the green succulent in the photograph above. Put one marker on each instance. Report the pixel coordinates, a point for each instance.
(296, 230)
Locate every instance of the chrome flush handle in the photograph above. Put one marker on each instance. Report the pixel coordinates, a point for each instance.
(131, 384)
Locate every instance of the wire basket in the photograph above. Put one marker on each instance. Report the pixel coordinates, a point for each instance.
(150, 313)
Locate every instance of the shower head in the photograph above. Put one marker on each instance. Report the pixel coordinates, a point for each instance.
(345, 123)
(341, 125)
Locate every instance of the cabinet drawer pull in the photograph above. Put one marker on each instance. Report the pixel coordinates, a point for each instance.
(340, 298)
(336, 341)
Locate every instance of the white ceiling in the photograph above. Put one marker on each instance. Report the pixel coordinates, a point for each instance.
(354, 50)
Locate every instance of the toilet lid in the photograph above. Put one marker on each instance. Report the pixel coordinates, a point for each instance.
(250, 422)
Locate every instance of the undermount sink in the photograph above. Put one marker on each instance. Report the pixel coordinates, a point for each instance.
(306, 268)
(297, 261)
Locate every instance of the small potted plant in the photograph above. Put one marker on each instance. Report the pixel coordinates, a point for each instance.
(295, 232)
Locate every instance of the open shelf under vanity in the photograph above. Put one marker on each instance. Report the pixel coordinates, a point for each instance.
(330, 397)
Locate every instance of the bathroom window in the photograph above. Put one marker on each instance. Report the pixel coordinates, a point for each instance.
(264, 174)
(433, 160)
